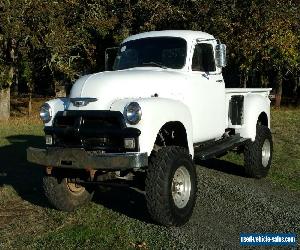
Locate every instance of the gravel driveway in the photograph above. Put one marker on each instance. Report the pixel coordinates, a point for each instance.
(229, 204)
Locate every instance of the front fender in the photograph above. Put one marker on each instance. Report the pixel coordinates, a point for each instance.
(59, 104)
(254, 105)
(156, 112)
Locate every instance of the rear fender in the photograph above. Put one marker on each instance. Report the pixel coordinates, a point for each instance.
(254, 105)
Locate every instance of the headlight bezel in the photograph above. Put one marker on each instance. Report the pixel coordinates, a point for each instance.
(46, 113)
(133, 113)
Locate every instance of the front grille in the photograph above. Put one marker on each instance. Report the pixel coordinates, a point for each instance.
(95, 122)
(64, 121)
(92, 130)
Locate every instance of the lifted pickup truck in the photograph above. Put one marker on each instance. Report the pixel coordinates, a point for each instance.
(163, 105)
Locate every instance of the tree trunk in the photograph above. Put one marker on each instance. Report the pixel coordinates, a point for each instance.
(296, 90)
(298, 97)
(263, 81)
(29, 105)
(4, 104)
(243, 79)
(13, 57)
(278, 89)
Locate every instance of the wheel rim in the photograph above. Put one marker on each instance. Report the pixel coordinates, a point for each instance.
(266, 153)
(181, 187)
(74, 188)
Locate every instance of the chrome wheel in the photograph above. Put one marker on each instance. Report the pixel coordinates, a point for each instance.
(266, 153)
(181, 187)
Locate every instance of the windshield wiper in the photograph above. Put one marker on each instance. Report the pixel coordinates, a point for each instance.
(154, 64)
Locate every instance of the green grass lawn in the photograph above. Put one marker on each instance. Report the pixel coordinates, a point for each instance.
(286, 163)
(26, 221)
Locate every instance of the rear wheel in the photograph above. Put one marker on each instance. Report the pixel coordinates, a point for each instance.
(64, 194)
(258, 154)
(171, 186)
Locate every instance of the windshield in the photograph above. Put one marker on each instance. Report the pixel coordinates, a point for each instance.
(163, 52)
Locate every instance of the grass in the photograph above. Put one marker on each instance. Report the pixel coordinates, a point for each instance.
(26, 221)
(286, 130)
(116, 221)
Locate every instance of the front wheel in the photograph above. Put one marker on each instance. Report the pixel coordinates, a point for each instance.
(258, 154)
(64, 194)
(171, 186)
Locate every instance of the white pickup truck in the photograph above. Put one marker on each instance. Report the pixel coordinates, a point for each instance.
(163, 105)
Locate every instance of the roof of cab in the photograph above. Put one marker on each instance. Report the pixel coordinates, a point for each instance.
(188, 35)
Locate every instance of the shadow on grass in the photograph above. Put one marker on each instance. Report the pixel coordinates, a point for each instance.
(223, 166)
(15, 171)
(127, 201)
(26, 179)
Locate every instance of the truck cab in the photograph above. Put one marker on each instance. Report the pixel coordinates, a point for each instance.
(163, 104)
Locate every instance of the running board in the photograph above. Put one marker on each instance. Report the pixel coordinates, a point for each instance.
(217, 148)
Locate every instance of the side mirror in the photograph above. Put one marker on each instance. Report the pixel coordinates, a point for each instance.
(221, 55)
(110, 56)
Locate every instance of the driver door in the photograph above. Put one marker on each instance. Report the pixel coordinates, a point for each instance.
(208, 102)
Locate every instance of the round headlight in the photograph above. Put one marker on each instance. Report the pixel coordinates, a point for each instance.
(46, 113)
(133, 113)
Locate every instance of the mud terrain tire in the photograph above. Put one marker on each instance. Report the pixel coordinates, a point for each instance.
(64, 195)
(258, 154)
(171, 185)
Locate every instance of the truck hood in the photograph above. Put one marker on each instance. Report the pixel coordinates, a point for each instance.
(108, 87)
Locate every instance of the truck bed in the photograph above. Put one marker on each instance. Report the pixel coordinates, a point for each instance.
(230, 93)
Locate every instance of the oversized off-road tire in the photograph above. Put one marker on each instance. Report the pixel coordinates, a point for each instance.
(171, 186)
(64, 195)
(258, 154)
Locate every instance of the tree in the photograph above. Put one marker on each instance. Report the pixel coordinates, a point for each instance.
(10, 34)
(45, 43)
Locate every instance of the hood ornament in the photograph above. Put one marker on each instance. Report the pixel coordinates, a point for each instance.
(82, 101)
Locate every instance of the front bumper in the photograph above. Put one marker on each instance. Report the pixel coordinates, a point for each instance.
(78, 158)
